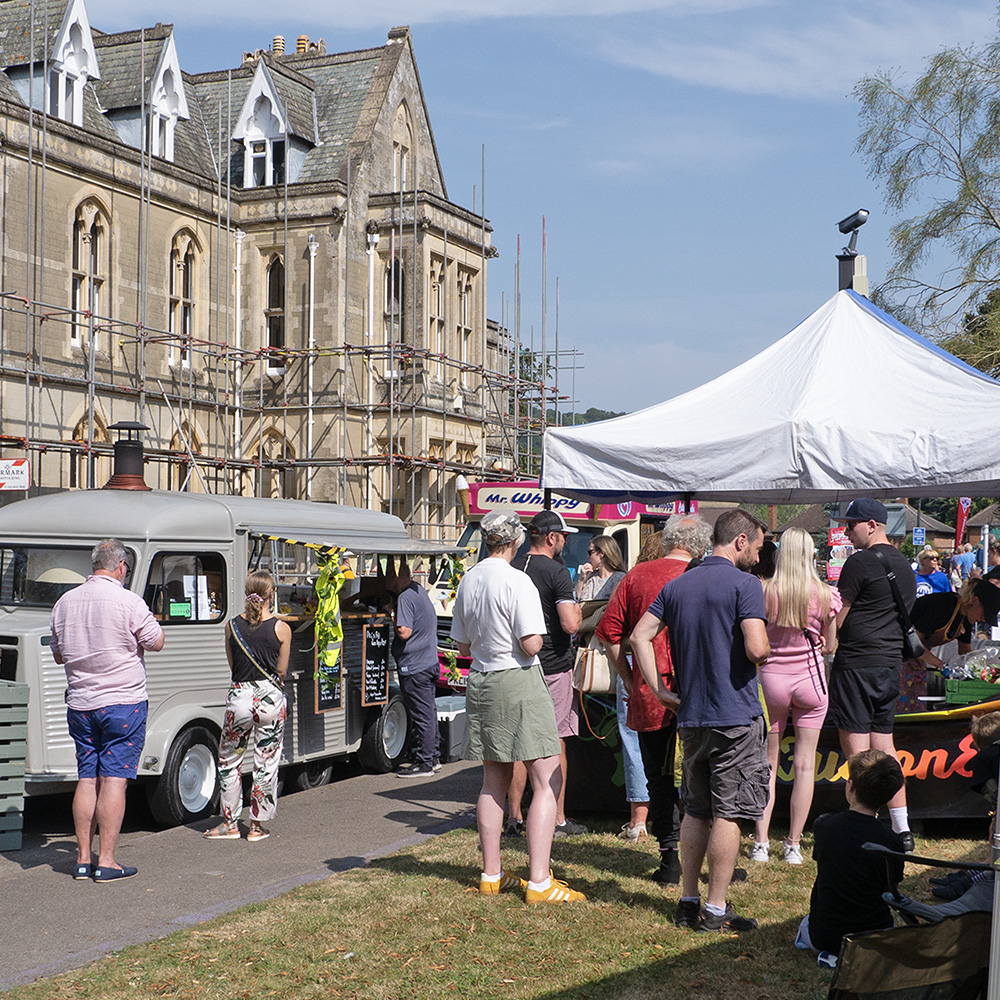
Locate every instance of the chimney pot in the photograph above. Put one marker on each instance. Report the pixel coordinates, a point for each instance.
(302, 44)
(278, 45)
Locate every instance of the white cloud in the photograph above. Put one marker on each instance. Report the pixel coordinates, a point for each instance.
(800, 50)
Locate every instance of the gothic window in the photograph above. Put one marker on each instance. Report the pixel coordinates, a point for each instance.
(276, 479)
(394, 299)
(89, 271)
(274, 312)
(463, 326)
(402, 150)
(180, 321)
(164, 111)
(264, 147)
(89, 470)
(435, 325)
(72, 64)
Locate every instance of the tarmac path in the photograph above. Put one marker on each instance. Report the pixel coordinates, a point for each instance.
(53, 923)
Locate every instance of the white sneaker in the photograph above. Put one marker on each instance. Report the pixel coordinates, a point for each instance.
(633, 833)
(759, 852)
(793, 854)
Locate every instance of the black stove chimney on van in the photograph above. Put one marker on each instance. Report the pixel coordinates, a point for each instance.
(127, 474)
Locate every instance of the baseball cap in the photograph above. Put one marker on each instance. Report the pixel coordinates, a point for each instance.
(865, 509)
(548, 520)
(989, 598)
(503, 526)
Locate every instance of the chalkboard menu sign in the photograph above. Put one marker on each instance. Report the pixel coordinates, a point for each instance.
(375, 661)
(329, 686)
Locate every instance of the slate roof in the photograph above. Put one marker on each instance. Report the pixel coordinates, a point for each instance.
(15, 29)
(128, 61)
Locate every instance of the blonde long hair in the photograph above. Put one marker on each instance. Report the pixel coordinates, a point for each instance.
(795, 581)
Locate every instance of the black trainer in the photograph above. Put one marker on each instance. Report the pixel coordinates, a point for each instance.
(730, 921)
(688, 912)
(908, 845)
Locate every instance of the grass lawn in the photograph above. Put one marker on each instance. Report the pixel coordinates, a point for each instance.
(413, 925)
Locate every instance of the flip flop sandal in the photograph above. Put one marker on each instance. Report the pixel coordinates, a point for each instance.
(254, 835)
(222, 832)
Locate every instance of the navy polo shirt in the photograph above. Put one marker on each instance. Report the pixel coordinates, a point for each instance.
(702, 610)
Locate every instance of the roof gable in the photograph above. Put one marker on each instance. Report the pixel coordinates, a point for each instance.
(262, 113)
(73, 48)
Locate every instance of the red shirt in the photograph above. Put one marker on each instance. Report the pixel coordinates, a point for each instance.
(629, 603)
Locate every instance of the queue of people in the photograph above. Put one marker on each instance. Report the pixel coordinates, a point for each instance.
(703, 631)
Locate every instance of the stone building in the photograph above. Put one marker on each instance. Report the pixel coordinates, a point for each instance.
(261, 264)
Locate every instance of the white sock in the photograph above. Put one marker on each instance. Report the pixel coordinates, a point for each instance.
(900, 822)
(491, 878)
(691, 899)
(540, 886)
(716, 910)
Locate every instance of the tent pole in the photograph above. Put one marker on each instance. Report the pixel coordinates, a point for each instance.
(547, 501)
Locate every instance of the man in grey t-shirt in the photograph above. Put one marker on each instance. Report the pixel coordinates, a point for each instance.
(414, 647)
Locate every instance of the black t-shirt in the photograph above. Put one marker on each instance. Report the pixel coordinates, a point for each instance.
(872, 635)
(847, 895)
(553, 583)
(262, 641)
(933, 612)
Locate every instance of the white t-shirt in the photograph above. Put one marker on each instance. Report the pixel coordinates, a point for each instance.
(496, 605)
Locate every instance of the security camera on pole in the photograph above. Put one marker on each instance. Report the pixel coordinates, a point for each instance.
(853, 266)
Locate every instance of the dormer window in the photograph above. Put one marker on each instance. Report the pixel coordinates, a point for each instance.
(167, 105)
(264, 147)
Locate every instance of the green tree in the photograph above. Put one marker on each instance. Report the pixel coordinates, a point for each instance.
(978, 344)
(935, 147)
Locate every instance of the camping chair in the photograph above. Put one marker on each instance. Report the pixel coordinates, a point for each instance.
(948, 960)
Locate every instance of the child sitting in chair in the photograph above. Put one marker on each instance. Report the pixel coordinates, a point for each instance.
(847, 895)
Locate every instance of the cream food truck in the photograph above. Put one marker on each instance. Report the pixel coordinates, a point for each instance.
(188, 556)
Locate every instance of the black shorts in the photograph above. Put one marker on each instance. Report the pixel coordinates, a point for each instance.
(863, 699)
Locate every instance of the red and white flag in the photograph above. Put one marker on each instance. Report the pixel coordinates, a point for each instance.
(964, 503)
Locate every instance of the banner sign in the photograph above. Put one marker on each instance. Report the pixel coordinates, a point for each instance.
(14, 474)
(840, 549)
(964, 503)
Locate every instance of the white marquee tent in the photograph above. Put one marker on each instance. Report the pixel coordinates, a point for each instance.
(850, 403)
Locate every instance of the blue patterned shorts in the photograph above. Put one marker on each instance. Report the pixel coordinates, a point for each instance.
(108, 740)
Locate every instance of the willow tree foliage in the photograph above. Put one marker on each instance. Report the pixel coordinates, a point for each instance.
(934, 148)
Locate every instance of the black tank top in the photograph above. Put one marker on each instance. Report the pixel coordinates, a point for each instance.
(262, 641)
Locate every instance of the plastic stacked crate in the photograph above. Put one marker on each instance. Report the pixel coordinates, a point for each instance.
(13, 749)
(970, 692)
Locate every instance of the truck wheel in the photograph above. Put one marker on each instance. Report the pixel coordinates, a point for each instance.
(312, 774)
(188, 788)
(384, 740)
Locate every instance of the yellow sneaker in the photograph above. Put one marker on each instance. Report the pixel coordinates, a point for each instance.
(506, 882)
(557, 892)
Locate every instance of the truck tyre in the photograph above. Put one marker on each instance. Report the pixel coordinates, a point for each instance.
(384, 739)
(188, 788)
(312, 774)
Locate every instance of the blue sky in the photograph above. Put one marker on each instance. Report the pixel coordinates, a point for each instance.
(691, 157)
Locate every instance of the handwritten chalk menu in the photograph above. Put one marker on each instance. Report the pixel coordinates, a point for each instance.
(329, 686)
(375, 661)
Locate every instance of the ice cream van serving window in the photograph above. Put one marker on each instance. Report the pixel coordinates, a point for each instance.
(187, 587)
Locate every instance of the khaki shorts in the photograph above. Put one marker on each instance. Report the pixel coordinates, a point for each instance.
(565, 701)
(725, 772)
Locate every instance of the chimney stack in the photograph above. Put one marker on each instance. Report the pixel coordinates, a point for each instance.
(278, 45)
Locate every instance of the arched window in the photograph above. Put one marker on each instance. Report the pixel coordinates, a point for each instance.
(277, 481)
(463, 325)
(274, 313)
(90, 259)
(180, 281)
(163, 113)
(394, 299)
(73, 61)
(435, 316)
(264, 147)
(402, 150)
(88, 470)
(183, 478)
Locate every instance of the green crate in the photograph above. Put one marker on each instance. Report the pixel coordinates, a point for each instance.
(12, 820)
(12, 713)
(14, 732)
(10, 840)
(16, 750)
(970, 692)
(12, 693)
(12, 768)
(12, 786)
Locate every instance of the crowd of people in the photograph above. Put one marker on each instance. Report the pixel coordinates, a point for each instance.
(712, 647)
